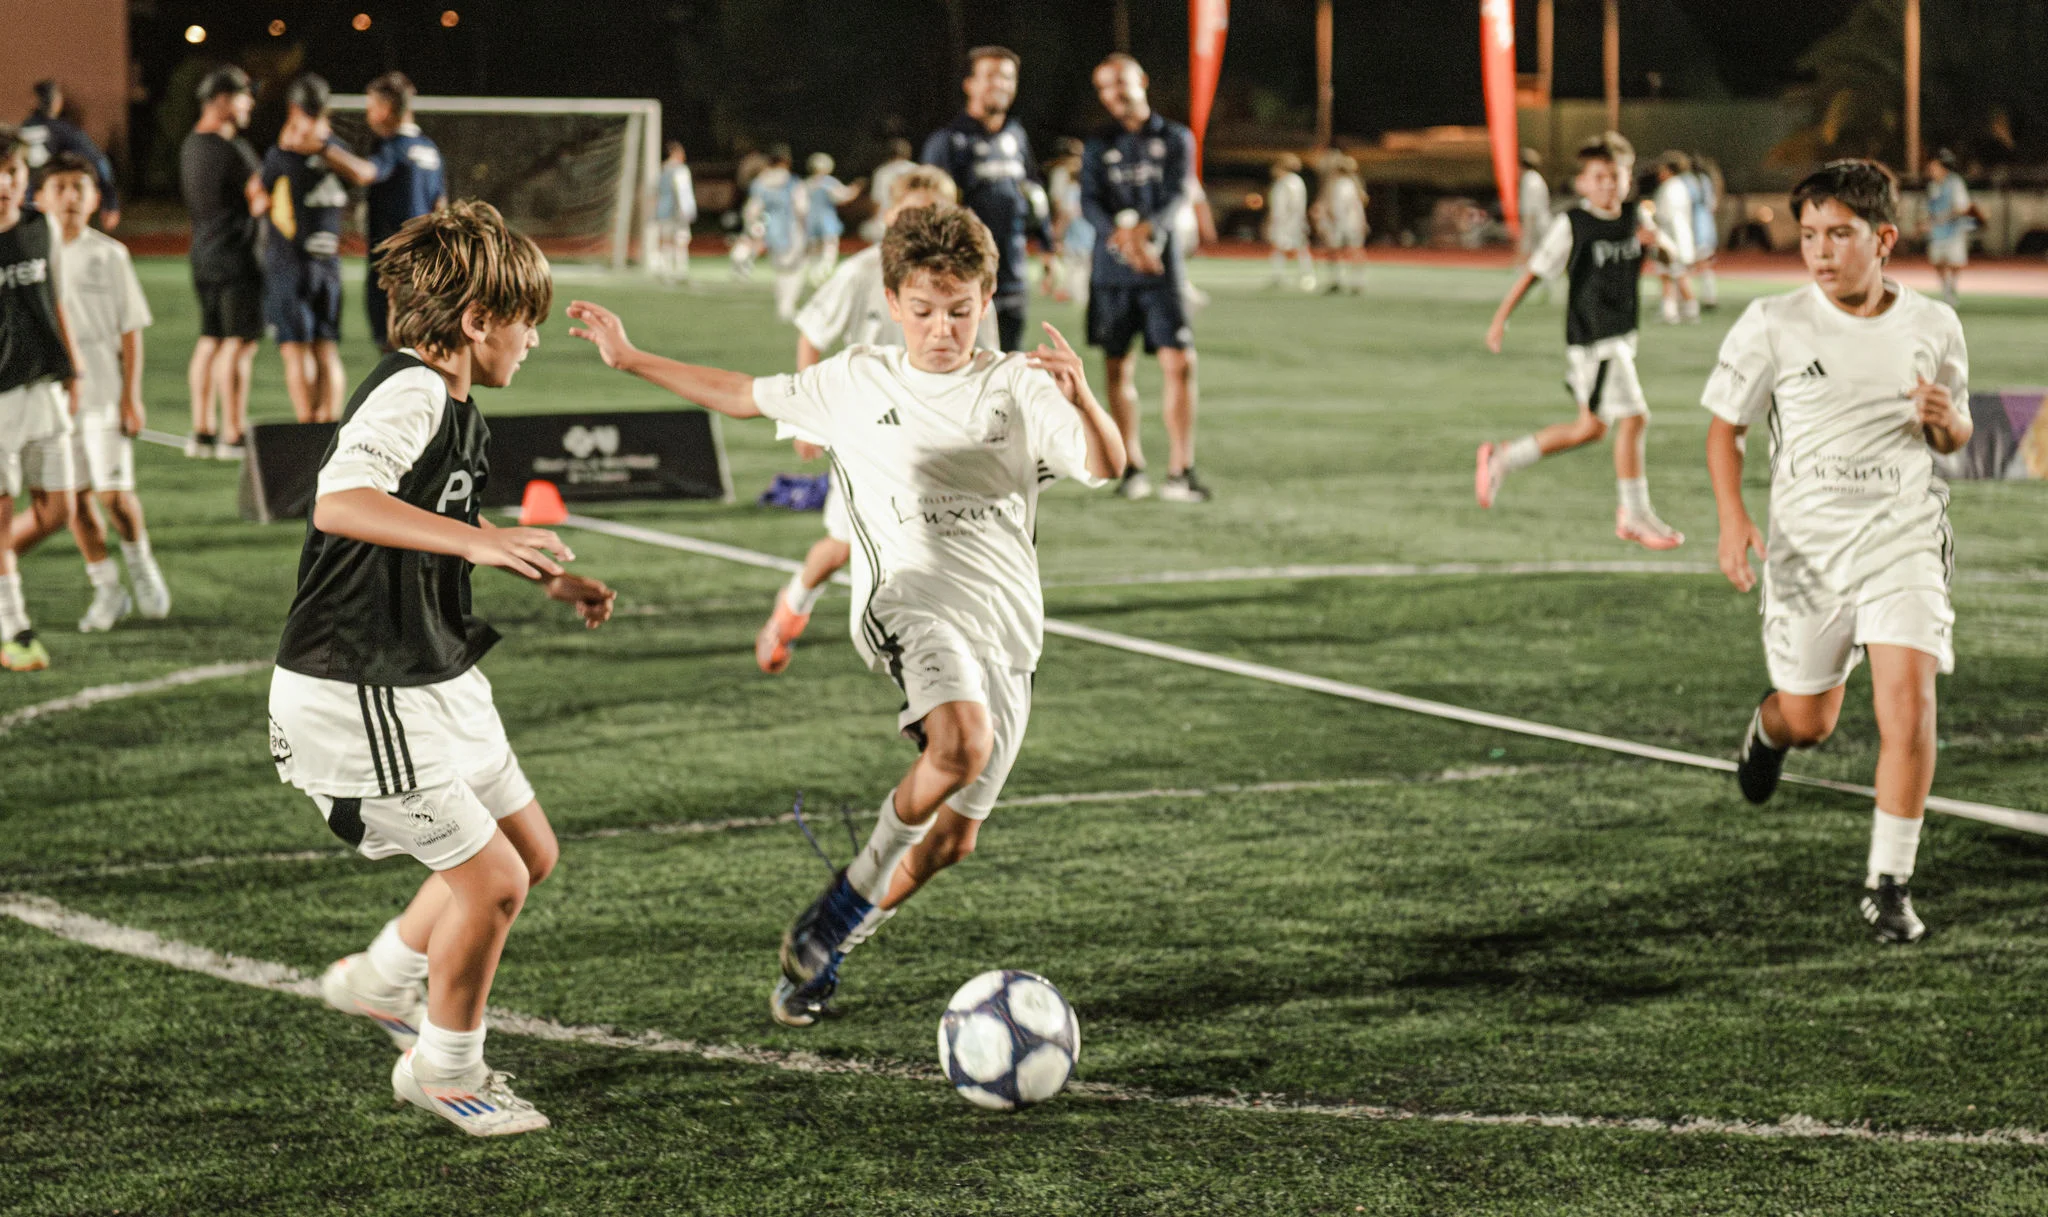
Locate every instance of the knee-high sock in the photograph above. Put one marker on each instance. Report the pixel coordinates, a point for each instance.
(1894, 844)
(890, 843)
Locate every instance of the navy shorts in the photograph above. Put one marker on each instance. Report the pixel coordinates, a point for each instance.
(302, 303)
(377, 306)
(231, 309)
(1118, 314)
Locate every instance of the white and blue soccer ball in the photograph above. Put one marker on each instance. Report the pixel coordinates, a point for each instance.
(1008, 1040)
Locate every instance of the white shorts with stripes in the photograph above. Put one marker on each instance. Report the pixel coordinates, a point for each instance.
(1602, 378)
(336, 740)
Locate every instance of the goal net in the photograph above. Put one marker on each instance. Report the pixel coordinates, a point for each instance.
(575, 174)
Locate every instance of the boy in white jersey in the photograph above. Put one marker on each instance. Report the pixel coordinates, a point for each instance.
(1861, 381)
(104, 303)
(1287, 223)
(851, 309)
(1340, 215)
(943, 449)
(1599, 245)
(1673, 212)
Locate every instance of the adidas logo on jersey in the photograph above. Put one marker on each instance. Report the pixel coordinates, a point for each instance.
(891, 419)
(1813, 369)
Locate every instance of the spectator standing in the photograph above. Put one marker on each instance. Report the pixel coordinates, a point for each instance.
(49, 134)
(218, 175)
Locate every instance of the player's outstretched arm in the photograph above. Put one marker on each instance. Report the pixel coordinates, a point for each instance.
(729, 393)
(591, 599)
(1739, 533)
(1106, 457)
(367, 514)
(1497, 333)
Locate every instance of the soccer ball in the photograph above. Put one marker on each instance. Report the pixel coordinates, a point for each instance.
(1008, 1039)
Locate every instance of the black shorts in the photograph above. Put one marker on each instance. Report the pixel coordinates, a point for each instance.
(377, 306)
(1011, 313)
(302, 300)
(1118, 314)
(231, 309)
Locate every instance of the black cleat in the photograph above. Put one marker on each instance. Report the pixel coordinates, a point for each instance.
(1758, 765)
(1889, 910)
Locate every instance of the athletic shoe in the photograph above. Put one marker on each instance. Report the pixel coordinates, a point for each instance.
(1758, 765)
(1135, 485)
(401, 1015)
(480, 1103)
(199, 447)
(152, 594)
(1185, 487)
(24, 653)
(110, 603)
(1889, 909)
(803, 1007)
(813, 947)
(1646, 530)
(778, 636)
(225, 451)
(1491, 473)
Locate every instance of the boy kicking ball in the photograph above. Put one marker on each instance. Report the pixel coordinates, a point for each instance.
(1599, 245)
(1859, 378)
(851, 308)
(104, 303)
(941, 450)
(377, 709)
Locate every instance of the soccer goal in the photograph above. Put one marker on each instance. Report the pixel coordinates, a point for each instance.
(576, 174)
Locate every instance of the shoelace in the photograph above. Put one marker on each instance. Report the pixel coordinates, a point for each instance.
(498, 1089)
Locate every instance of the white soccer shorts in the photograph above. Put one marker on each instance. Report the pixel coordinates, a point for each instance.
(937, 666)
(1812, 642)
(102, 457)
(1949, 251)
(372, 748)
(48, 464)
(1602, 378)
(28, 414)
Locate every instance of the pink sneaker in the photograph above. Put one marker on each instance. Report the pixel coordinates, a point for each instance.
(1646, 530)
(1486, 482)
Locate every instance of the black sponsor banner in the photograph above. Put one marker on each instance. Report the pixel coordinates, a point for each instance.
(591, 458)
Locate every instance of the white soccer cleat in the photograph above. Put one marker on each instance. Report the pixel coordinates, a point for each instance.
(225, 451)
(480, 1103)
(199, 447)
(110, 603)
(1491, 473)
(342, 987)
(152, 594)
(1646, 530)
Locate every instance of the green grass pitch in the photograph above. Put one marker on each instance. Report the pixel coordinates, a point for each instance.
(1561, 932)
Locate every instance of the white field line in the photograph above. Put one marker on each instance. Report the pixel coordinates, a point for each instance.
(73, 926)
(693, 828)
(94, 696)
(1414, 570)
(2005, 817)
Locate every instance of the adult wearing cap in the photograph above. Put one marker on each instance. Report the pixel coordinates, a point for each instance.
(218, 175)
(49, 135)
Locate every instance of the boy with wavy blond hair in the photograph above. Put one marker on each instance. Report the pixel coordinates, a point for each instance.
(377, 709)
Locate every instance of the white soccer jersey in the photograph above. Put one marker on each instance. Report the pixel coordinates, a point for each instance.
(1856, 506)
(1287, 210)
(941, 474)
(1344, 205)
(1674, 218)
(851, 308)
(102, 300)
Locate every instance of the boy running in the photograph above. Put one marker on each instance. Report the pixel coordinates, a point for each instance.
(851, 309)
(1950, 221)
(777, 205)
(1599, 245)
(377, 709)
(38, 379)
(1861, 381)
(943, 449)
(1287, 223)
(103, 301)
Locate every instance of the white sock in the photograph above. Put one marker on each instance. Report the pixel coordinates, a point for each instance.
(1635, 495)
(137, 554)
(1690, 309)
(104, 573)
(800, 598)
(1520, 453)
(446, 1053)
(13, 612)
(1764, 737)
(887, 846)
(1710, 291)
(393, 962)
(1279, 265)
(1894, 841)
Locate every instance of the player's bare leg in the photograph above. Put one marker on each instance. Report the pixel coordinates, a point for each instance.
(330, 383)
(1496, 461)
(234, 363)
(124, 509)
(20, 649)
(951, 840)
(49, 513)
(1177, 401)
(199, 380)
(1121, 374)
(1634, 520)
(1902, 692)
(300, 380)
(793, 604)
(110, 601)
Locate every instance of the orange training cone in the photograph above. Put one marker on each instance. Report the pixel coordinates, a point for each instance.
(542, 507)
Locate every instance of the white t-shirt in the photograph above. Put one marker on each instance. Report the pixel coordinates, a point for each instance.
(102, 300)
(1287, 214)
(941, 474)
(1854, 493)
(384, 437)
(1674, 218)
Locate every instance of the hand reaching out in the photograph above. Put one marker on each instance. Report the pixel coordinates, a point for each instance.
(601, 328)
(1061, 363)
(523, 551)
(591, 598)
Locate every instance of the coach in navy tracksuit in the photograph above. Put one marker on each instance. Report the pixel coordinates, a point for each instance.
(409, 182)
(988, 157)
(1134, 175)
(49, 135)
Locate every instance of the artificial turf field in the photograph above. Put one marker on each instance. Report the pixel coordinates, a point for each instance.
(1311, 915)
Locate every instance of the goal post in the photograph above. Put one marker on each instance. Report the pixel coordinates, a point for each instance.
(575, 173)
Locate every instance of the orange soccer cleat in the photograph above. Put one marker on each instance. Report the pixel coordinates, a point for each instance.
(772, 646)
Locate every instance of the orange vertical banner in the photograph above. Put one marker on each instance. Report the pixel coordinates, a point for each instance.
(1497, 59)
(1208, 21)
